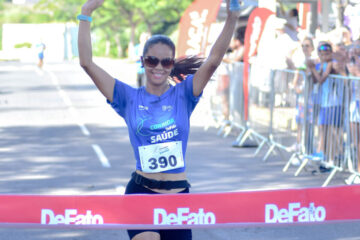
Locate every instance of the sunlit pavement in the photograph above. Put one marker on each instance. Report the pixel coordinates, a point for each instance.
(53, 120)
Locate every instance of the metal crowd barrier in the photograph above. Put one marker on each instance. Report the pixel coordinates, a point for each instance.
(254, 130)
(290, 114)
(332, 120)
(286, 102)
(353, 133)
(213, 105)
(217, 97)
(272, 111)
(265, 104)
(236, 107)
(236, 98)
(214, 97)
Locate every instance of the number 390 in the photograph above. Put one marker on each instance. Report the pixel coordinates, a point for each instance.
(162, 162)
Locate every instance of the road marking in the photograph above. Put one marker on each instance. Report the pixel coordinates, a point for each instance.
(69, 104)
(120, 189)
(100, 154)
(103, 159)
(82, 126)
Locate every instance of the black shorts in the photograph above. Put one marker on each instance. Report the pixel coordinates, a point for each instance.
(183, 234)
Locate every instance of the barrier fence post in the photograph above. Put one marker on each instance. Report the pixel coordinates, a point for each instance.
(353, 130)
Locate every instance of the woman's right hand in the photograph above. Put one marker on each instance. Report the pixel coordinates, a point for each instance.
(310, 63)
(353, 63)
(90, 6)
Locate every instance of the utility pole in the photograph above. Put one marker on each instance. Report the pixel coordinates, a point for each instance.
(314, 17)
(269, 4)
(325, 12)
(340, 6)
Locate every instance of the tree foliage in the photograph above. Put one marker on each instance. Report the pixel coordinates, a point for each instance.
(118, 21)
(60, 10)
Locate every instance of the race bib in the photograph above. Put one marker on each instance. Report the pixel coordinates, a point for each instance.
(161, 157)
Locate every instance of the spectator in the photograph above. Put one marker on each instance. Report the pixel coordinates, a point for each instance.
(305, 52)
(292, 22)
(40, 47)
(140, 74)
(299, 84)
(331, 98)
(284, 47)
(234, 54)
(340, 56)
(353, 66)
(283, 51)
(346, 36)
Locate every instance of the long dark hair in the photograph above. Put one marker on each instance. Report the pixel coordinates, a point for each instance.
(183, 65)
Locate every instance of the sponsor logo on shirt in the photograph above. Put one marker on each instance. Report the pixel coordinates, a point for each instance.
(139, 127)
(162, 125)
(168, 128)
(142, 108)
(164, 136)
(168, 108)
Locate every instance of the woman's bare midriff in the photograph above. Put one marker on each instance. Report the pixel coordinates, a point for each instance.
(165, 177)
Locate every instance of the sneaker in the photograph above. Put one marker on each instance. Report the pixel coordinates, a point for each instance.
(295, 162)
(356, 180)
(294, 148)
(318, 156)
(323, 169)
(338, 160)
(315, 172)
(350, 179)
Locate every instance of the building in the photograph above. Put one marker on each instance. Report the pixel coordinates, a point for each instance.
(22, 2)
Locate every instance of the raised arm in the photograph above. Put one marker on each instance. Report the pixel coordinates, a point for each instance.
(321, 76)
(207, 69)
(103, 81)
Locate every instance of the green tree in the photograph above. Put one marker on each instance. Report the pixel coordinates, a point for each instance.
(120, 16)
(121, 20)
(160, 16)
(60, 10)
(10, 13)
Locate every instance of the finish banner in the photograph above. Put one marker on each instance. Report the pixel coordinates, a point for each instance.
(195, 25)
(236, 209)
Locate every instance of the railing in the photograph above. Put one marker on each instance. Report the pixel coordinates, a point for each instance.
(306, 124)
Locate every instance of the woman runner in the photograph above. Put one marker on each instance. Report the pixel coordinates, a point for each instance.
(157, 114)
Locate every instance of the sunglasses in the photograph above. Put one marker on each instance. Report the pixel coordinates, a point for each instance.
(151, 61)
(324, 48)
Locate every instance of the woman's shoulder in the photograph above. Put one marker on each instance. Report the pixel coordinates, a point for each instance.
(125, 85)
(186, 80)
(125, 89)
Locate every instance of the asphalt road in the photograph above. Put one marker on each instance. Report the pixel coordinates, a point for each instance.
(58, 136)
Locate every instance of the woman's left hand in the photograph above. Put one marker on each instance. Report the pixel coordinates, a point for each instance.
(233, 13)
